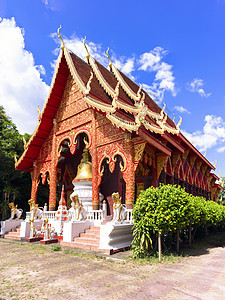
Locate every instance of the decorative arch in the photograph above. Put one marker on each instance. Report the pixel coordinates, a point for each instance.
(59, 147)
(88, 135)
(111, 161)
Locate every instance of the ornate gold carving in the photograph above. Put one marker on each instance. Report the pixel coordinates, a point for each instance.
(73, 71)
(99, 105)
(138, 152)
(192, 160)
(161, 159)
(198, 164)
(126, 88)
(203, 169)
(184, 155)
(109, 90)
(175, 158)
(87, 143)
(88, 88)
(120, 123)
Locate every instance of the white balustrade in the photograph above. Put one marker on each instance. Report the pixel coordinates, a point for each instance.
(129, 217)
(95, 215)
(50, 215)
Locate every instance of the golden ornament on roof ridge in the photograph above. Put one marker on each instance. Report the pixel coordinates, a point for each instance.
(62, 47)
(85, 46)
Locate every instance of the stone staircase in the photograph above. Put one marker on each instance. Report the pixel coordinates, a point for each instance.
(89, 240)
(14, 234)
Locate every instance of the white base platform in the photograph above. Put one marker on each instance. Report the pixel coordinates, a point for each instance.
(25, 228)
(73, 229)
(114, 236)
(8, 225)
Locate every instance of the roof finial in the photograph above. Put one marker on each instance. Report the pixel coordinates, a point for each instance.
(15, 158)
(110, 62)
(215, 163)
(88, 55)
(204, 154)
(173, 117)
(219, 174)
(179, 123)
(62, 47)
(139, 92)
(39, 113)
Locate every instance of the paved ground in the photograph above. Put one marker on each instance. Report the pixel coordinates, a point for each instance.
(33, 271)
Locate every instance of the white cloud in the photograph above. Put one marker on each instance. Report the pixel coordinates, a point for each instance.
(195, 86)
(164, 79)
(221, 149)
(21, 86)
(213, 133)
(182, 109)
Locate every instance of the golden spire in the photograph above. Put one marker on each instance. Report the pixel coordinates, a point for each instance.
(110, 62)
(62, 47)
(219, 174)
(85, 46)
(215, 163)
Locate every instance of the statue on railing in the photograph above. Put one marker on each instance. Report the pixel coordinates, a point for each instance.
(48, 231)
(77, 210)
(119, 209)
(35, 211)
(15, 211)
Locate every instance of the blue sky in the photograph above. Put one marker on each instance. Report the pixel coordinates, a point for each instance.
(176, 49)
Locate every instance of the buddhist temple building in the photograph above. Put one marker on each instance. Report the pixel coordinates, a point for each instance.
(100, 117)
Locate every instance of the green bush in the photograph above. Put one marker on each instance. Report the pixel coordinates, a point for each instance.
(167, 209)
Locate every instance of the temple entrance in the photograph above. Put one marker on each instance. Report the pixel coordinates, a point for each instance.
(112, 182)
(43, 191)
(67, 165)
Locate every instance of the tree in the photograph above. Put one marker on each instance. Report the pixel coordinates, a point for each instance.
(14, 185)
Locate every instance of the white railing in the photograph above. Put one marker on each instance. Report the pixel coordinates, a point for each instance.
(50, 215)
(129, 217)
(95, 215)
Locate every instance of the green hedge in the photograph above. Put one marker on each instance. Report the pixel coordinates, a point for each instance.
(167, 209)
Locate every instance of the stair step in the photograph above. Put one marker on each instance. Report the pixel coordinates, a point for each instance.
(90, 236)
(92, 231)
(12, 237)
(17, 229)
(95, 228)
(80, 246)
(87, 241)
(13, 233)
